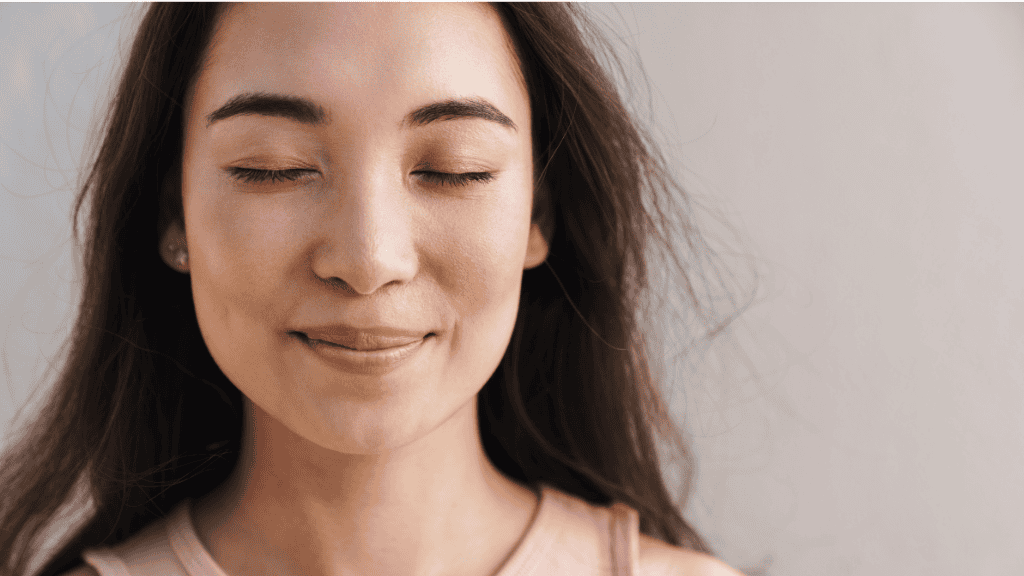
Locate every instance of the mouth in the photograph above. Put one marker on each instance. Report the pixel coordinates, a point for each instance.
(313, 341)
(305, 338)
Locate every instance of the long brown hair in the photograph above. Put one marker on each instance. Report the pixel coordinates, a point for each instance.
(141, 416)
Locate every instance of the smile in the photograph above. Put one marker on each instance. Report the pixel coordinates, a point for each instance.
(377, 361)
(315, 342)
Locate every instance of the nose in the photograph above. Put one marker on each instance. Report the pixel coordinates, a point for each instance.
(366, 235)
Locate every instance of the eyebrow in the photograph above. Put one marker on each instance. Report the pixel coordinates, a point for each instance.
(308, 112)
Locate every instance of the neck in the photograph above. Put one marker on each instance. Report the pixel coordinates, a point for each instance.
(421, 509)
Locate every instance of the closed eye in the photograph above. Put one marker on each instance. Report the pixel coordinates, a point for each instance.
(258, 175)
(449, 179)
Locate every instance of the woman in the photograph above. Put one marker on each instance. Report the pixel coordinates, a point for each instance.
(362, 296)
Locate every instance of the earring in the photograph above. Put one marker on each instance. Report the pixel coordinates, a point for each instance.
(182, 260)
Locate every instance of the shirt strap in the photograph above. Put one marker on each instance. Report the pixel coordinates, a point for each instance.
(105, 562)
(625, 538)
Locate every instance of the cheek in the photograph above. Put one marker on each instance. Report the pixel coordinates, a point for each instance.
(483, 276)
(483, 248)
(235, 246)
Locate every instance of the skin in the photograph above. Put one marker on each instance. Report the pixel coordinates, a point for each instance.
(343, 473)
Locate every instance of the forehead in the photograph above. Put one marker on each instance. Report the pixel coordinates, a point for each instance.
(377, 59)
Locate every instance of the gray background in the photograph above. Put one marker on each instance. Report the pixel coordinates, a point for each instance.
(871, 157)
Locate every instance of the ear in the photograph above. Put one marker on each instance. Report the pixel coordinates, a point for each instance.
(541, 227)
(171, 225)
(536, 248)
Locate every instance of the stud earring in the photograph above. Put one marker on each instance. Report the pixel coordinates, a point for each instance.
(182, 260)
(180, 257)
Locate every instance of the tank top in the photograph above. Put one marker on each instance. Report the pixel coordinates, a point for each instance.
(567, 536)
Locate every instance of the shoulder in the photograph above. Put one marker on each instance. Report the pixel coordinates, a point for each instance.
(658, 558)
(83, 570)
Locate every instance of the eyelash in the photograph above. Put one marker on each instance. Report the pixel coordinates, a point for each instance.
(442, 178)
(449, 179)
(258, 175)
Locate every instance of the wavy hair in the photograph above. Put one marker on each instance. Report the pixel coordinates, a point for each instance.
(141, 417)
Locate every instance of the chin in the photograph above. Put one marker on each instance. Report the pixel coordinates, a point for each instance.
(385, 424)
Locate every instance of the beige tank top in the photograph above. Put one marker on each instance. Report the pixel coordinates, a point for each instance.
(567, 536)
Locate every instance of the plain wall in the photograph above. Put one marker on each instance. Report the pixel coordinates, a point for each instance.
(872, 156)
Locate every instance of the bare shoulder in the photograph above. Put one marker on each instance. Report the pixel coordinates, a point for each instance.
(83, 570)
(658, 558)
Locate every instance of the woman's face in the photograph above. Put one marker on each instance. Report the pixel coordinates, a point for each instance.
(361, 230)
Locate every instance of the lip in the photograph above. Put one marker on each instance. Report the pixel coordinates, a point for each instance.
(378, 361)
(364, 339)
